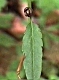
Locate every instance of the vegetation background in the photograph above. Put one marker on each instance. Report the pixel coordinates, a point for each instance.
(12, 28)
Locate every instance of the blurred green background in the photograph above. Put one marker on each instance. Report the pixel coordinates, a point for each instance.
(46, 16)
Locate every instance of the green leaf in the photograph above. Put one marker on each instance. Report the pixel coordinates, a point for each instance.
(6, 20)
(6, 40)
(32, 48)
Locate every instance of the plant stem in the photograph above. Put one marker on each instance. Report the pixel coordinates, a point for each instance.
(29, 3)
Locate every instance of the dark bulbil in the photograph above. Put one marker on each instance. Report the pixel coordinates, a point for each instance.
(28, 12)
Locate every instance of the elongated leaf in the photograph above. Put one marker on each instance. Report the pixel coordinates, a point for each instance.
(32, 48)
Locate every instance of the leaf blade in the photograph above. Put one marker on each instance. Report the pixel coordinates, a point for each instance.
(32, 48)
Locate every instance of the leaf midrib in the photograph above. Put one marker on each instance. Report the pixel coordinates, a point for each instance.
(32, 51)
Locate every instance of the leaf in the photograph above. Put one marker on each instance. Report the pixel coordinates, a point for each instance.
(32, 48)
(6, 20)
(6, 40)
